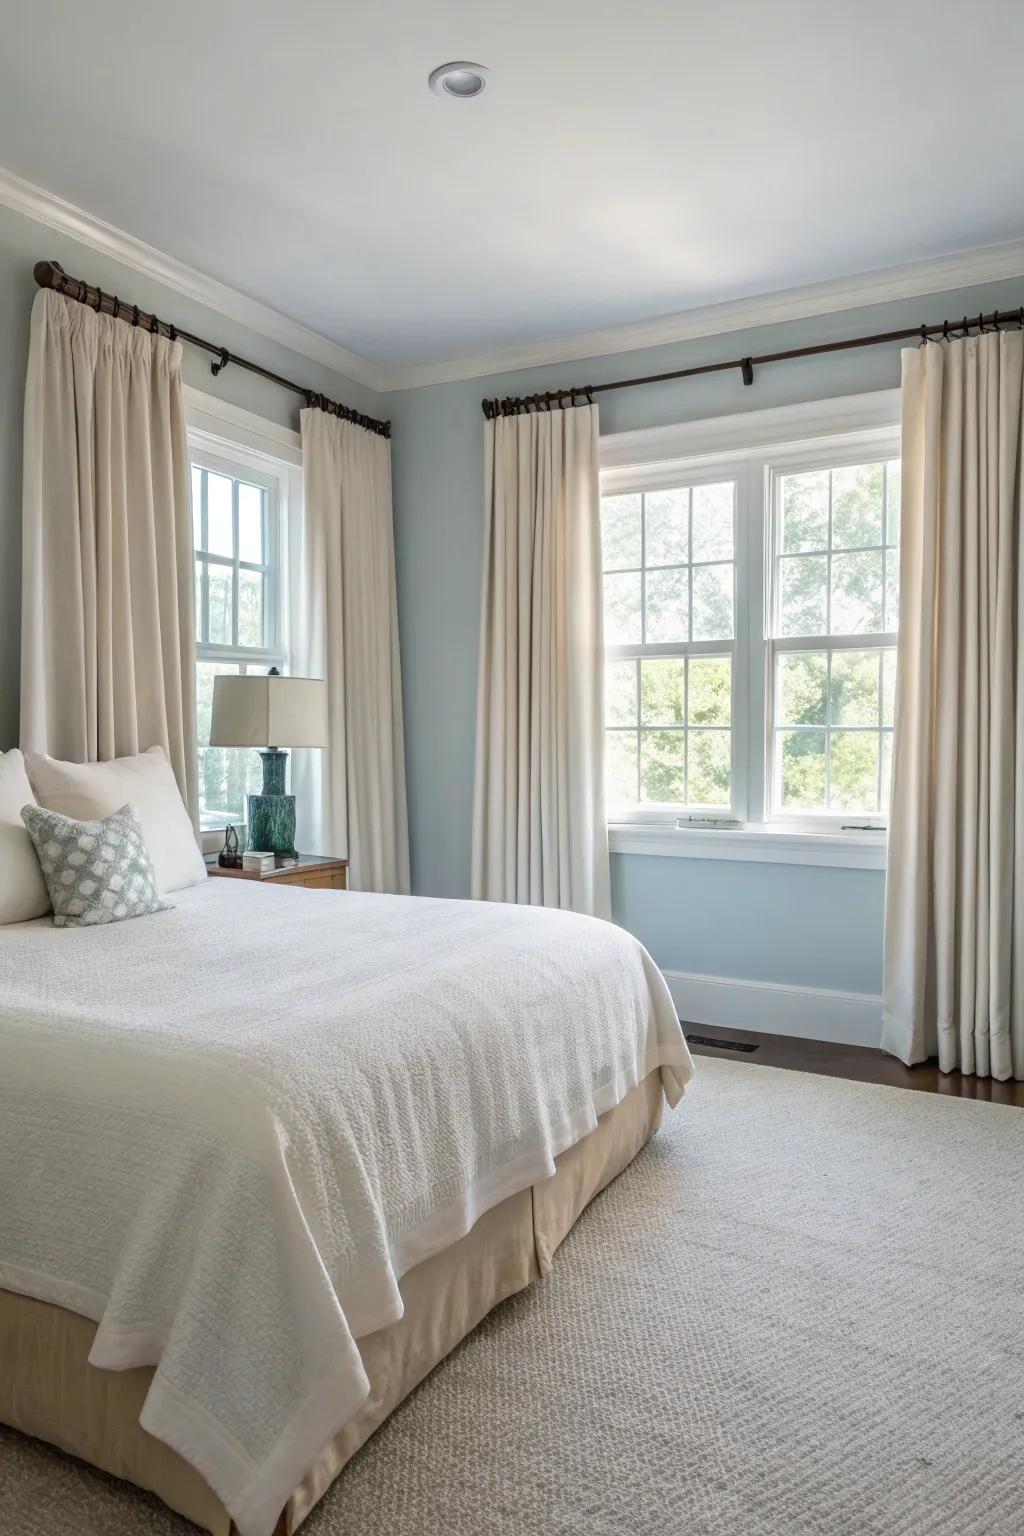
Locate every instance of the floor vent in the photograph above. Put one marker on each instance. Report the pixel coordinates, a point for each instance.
(742, 1046)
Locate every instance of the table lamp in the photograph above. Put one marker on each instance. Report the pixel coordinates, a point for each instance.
(263, 712)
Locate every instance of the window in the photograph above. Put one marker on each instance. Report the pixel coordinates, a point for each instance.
(669, 605)
(239, 623)
(833, 638)
(751, 609)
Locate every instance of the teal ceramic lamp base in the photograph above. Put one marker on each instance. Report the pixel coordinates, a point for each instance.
(272, 813)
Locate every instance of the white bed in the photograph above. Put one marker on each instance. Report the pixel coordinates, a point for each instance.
(227, 1131)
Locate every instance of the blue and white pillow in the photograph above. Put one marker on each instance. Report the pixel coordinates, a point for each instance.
(96, 871)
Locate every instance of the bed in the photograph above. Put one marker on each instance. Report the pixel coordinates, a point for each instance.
(267, 1157)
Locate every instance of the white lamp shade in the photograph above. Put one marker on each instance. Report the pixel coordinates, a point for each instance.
(269, 712)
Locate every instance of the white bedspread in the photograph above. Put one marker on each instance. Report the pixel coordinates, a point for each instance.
(227, 1130)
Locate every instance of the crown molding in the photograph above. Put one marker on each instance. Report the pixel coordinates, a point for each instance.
(47, 208)
(962, 269)
(938, 274)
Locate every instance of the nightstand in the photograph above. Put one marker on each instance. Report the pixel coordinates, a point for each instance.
(312, 870)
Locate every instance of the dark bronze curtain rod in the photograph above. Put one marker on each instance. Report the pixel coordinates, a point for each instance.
(50, 274)
(512, 406)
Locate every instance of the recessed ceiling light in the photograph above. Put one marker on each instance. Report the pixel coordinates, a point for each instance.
(461, 80)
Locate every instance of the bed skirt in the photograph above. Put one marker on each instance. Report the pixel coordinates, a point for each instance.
(48, 1388)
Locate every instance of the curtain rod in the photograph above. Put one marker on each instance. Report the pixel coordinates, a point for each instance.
(513, 406)
(50, 274)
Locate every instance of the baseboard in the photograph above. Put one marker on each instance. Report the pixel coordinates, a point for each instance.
(776, 1008)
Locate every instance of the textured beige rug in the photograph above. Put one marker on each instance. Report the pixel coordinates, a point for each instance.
(800, 1311)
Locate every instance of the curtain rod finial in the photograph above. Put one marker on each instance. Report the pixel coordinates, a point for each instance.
(47, 273)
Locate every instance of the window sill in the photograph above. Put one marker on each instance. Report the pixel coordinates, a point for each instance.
(752, 845)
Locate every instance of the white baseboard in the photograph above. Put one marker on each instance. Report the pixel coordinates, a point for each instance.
(771, 1007)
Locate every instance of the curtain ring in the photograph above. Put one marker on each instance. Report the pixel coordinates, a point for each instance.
(99, 299)
(117, 307)
(172, 331)
(135, 314)
(221, 364)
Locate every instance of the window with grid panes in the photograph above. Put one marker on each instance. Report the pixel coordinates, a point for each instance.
(238, 621)
(669, 626)
(834, 615)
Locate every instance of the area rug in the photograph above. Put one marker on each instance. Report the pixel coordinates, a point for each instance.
(801, 1310)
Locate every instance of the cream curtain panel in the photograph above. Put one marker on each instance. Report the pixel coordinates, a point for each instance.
(346, 630)
(954, 918)
(108, 629)
(539, 833)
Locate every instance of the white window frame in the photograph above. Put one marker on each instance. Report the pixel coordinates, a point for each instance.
(737, 649)
(240, 468)
(751, 448)
(235, 442)
(845, 453)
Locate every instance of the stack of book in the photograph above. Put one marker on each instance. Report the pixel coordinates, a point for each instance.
(258, 863)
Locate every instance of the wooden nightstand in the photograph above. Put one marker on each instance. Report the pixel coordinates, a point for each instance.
(309, 869)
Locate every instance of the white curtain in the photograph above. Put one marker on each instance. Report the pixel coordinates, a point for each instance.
(346, 630)
(108, 630)
(954, 917)
(539, 833)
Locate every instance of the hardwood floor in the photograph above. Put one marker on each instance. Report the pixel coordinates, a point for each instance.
(854, 1061)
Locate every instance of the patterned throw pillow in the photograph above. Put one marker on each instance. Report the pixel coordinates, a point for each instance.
(96, 871)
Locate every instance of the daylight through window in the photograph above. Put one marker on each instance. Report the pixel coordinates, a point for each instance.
(834, 637)
(669, 598)
(238, 622)
(750, 618)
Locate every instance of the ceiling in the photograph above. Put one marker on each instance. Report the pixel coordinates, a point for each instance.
(633, 158)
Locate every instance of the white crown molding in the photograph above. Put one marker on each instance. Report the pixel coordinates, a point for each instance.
(774, 1008)
(746, 432)
(939, 274)
(49, 209)
(963, 269)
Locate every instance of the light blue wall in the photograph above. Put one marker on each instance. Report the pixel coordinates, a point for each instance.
(23, 242)
(786, 923)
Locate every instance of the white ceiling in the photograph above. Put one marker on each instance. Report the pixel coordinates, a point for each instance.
(633, 158)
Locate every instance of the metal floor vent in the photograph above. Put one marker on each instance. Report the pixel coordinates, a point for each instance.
(742, 1046)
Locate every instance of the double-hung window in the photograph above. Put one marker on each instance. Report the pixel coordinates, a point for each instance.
(670, 638)
(751, 601)
(833, 616)
(239, 583)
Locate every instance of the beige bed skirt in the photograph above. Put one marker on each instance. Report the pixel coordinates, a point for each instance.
(48, 1388)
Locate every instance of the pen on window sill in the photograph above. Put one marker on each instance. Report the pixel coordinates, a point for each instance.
(701, 823)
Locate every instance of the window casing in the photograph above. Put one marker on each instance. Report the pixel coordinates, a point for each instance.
(838, 650)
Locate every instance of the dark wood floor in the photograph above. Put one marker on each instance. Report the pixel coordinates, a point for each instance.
(852, 1061)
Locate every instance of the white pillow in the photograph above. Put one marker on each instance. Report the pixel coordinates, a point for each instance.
(23, 892)
(93, 791)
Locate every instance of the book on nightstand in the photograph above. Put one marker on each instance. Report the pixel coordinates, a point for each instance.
(259, 863)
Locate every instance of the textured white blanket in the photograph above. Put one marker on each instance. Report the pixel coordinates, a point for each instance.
(227, 1130)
